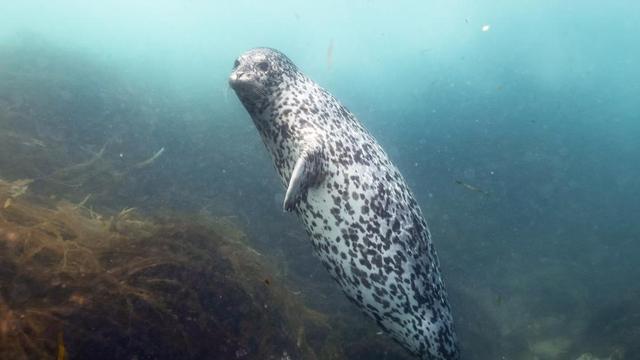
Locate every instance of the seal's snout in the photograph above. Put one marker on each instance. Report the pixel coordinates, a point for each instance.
(238, 79)
(244, 80)
(233, 79)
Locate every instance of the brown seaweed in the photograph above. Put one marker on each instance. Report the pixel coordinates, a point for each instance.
(126, 286)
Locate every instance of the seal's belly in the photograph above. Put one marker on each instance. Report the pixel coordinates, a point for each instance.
(376, 247)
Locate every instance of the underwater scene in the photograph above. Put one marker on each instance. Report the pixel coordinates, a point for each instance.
(143, 217)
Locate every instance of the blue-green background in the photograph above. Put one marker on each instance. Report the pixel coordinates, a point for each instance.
(541, 112)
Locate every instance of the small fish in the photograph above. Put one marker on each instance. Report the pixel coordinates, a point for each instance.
(472, 188)
(267, 281)
(7, 203)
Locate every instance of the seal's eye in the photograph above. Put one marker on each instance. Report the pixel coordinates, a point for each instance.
(263, 66)
(236, 63)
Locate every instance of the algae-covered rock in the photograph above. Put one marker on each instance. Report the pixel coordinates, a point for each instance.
(123, 287)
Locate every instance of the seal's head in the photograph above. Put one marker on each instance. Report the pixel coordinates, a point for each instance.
(257, 72)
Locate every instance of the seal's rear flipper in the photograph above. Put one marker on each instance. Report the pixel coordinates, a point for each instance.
(306, 173)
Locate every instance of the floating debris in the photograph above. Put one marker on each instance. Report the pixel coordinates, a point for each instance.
(486, 28)
(150, 160)
(330, 55)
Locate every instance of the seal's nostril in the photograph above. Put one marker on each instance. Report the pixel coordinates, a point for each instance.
(236, 76)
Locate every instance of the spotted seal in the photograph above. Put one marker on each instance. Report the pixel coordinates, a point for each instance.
(363, 221)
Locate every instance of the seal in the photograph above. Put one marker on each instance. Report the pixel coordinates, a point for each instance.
(362, 219)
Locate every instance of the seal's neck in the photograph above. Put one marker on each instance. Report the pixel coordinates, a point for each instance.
(276, 113)
(282, 124)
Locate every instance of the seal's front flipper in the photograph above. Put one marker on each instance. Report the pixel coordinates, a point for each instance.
(306, 173)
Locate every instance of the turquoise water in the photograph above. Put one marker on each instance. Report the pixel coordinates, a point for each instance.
(515, 123)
